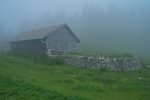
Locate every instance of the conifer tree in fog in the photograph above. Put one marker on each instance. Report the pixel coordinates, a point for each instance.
(26, 25)
(2, 34)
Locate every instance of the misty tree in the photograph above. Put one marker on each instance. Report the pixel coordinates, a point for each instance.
(26, 25)
(45, 20)
(60, 17)
(2, 32)
(10, 34)
(2, 35)
(48, 19)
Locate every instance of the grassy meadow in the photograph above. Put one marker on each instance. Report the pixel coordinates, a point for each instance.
(42, 78)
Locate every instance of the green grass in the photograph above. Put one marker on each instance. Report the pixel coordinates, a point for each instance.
(23, 79)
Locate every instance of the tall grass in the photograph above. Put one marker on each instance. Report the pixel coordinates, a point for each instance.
(20, 79)
(40, 58)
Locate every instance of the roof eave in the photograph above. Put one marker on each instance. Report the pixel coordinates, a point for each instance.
(27, 39)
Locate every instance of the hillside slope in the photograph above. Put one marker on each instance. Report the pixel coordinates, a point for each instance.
(23, 79)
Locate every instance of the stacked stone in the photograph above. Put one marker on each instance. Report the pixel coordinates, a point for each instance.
(100, 62)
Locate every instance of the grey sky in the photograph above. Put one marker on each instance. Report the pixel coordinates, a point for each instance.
(13, 11)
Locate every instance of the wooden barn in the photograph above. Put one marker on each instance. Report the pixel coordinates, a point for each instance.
(47, 40)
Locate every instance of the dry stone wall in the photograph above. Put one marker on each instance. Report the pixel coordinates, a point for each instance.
(100, 62)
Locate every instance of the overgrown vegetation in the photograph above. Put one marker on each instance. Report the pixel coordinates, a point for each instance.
(21, 79)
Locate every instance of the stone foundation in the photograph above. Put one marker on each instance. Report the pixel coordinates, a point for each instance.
(99, 62)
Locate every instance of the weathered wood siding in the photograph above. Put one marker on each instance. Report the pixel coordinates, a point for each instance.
(61, 40)
(28, 46)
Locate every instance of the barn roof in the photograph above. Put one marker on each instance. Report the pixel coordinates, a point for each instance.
(42, 33)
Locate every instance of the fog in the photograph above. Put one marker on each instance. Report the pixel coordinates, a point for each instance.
(101, 25)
